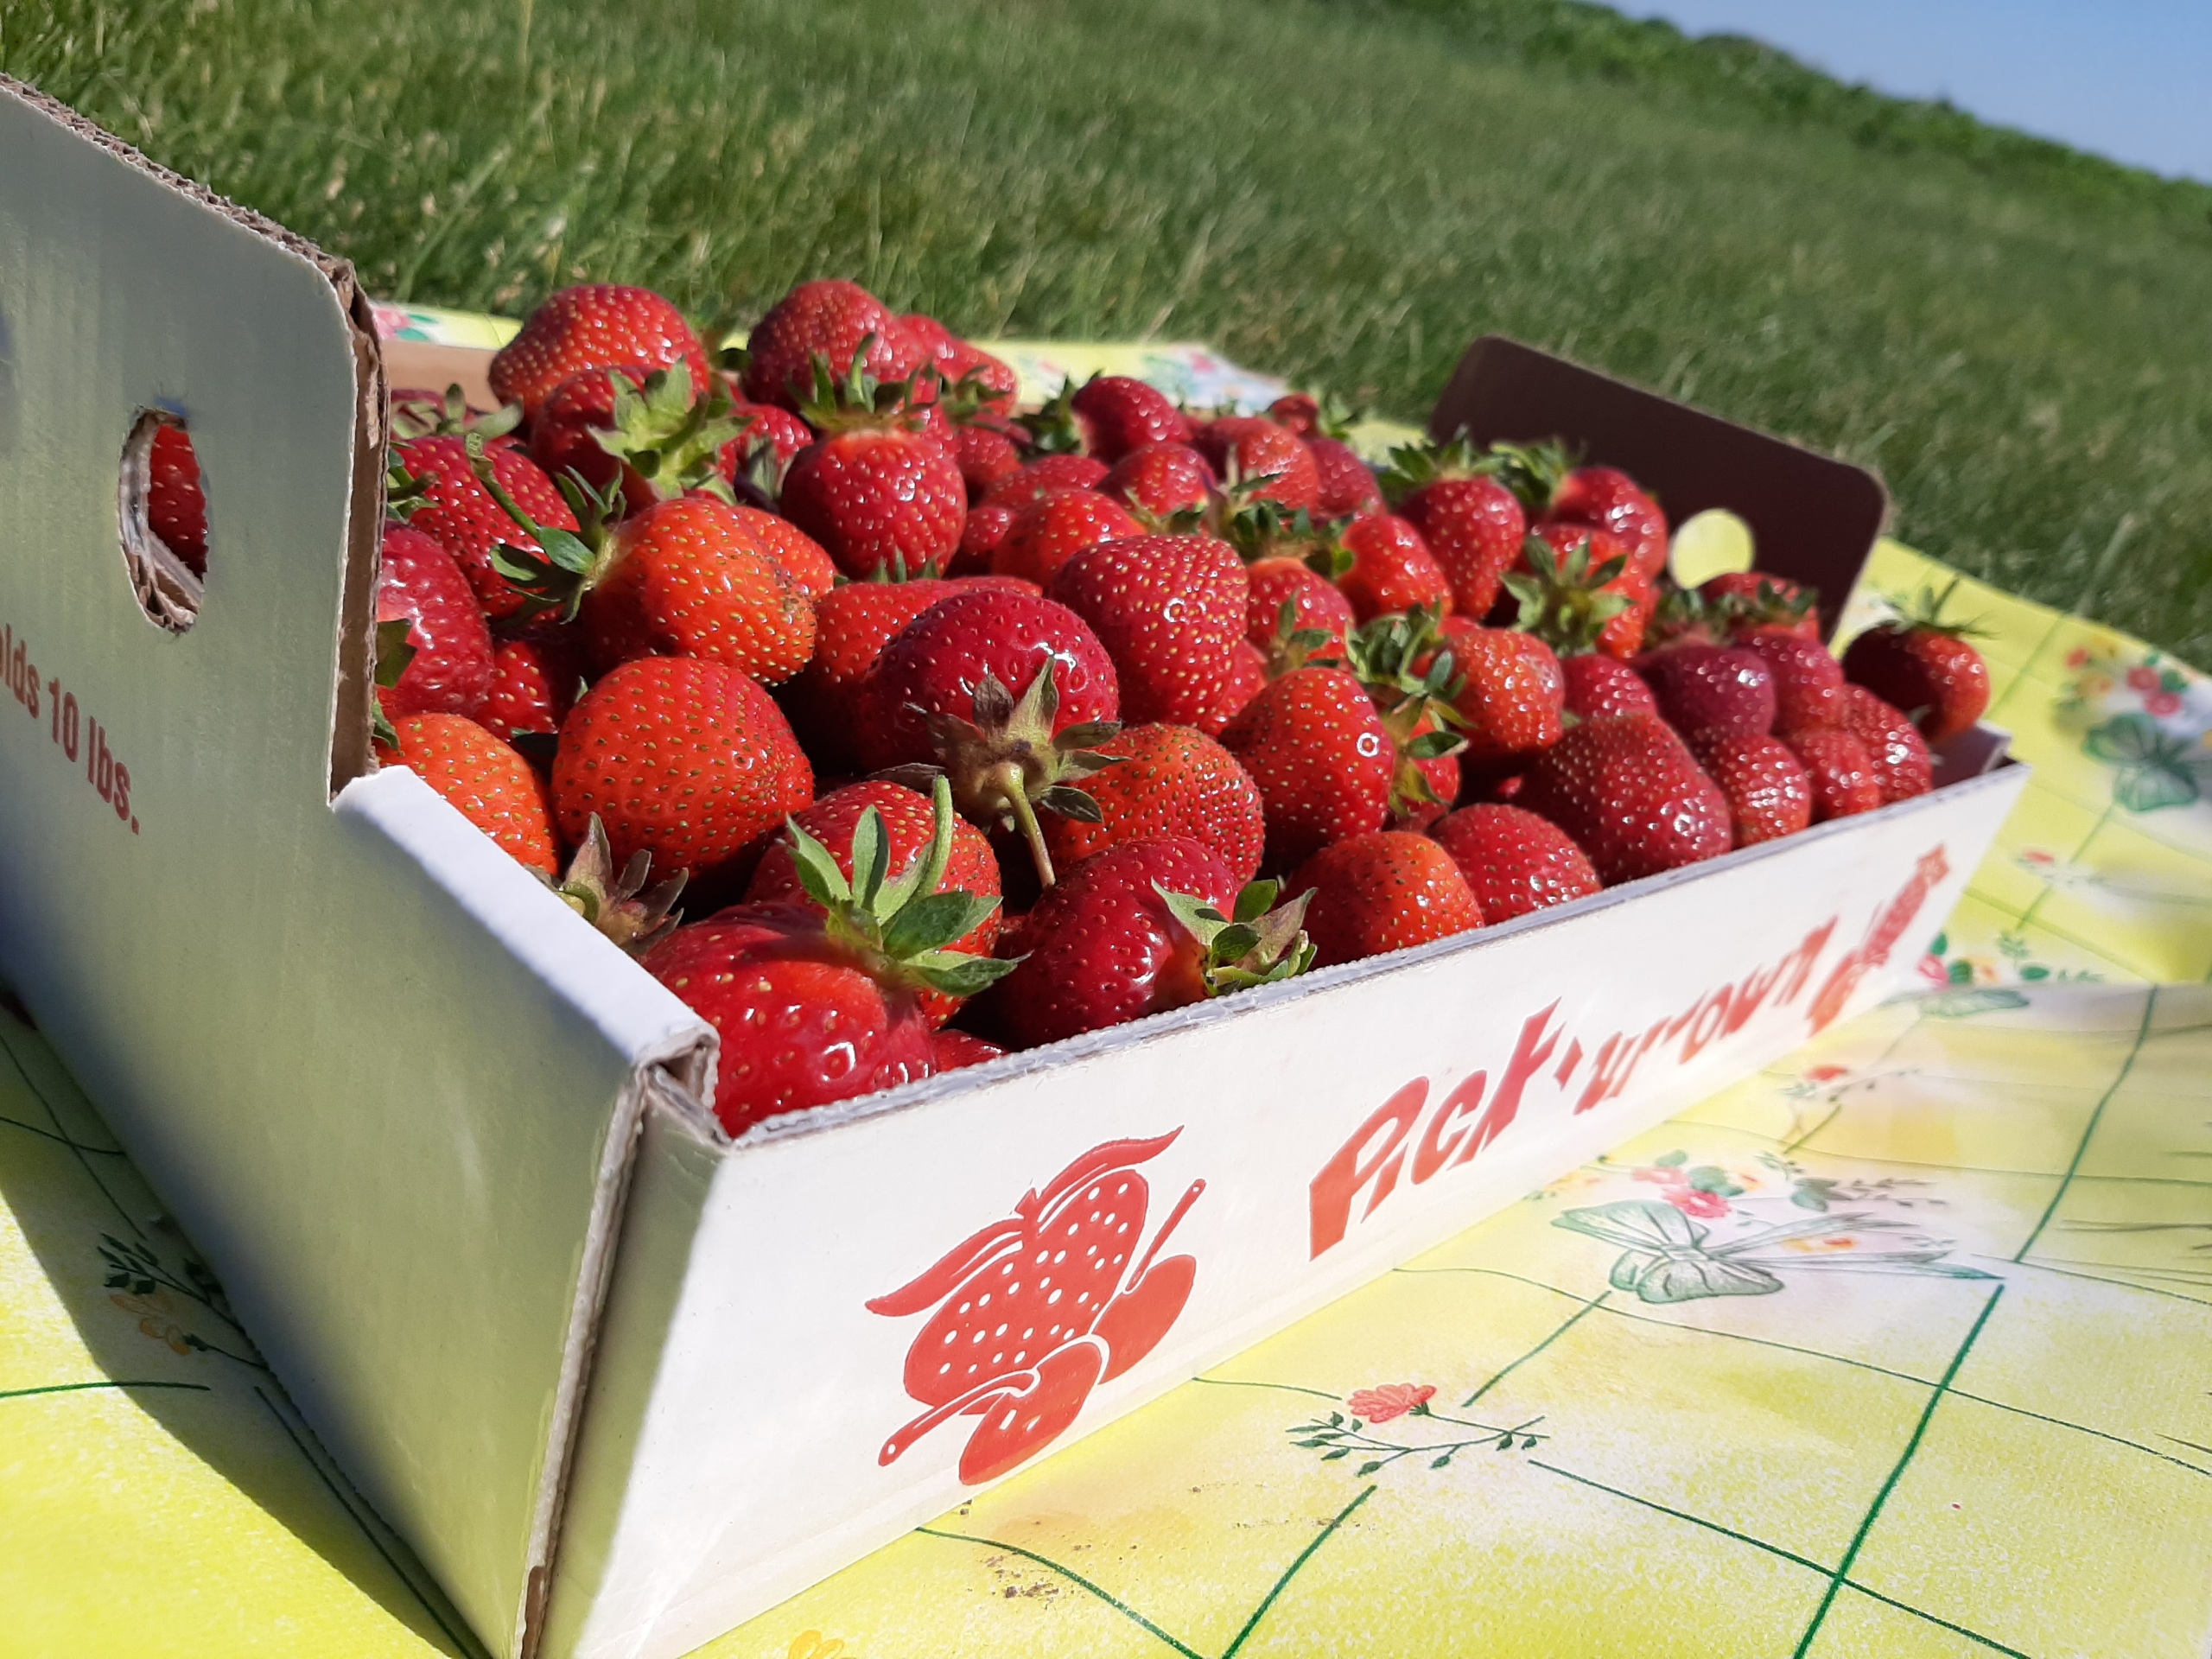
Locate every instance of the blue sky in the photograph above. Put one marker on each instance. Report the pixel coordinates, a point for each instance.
(2128, 78)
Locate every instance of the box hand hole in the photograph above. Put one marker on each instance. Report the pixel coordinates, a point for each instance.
(161, 507)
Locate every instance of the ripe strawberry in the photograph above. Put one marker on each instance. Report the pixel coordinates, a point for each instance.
(1554, 490)
(955, 1049)
(1392, 568)
(1317, 752)
(1172, 781)
(1412, 680)
(176, 503)
(1512, 692)
(1807, 680)
(688, 578)
(640, 431)
(449, 504)
(1924, 665)
(433, 651)
(1600, 686)
(981, 537)
(564, 436)
(833, 321)
(487, 782)
(1514, 862)
(1170, 611)
(852, 626)
(1576, 593)
(1387, 890)
(907, 828)
(598, 325)
(1051, 530)
(986, 457)
(805, 560)
(990, 383)
(535, 675)
(1317, 606)
(1267, 460)
(1473, 524)
(1751, 599)
(1047, 473)
(876, 492)
(1770, 794)
(759, 423)
(1116, 414)
(1247, 678)
(1630, 795)
(1347, 484)
(1711, 688)
(1162, 479)
(1842, 772)
(1902, 767)
(687, 759)
(1139, 929)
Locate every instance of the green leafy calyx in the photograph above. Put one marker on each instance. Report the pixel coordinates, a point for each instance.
(1263, 942)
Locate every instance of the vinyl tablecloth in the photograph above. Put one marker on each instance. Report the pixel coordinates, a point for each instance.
(1901, 1347)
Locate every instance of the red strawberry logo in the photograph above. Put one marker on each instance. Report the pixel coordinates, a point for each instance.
(1035, 1311)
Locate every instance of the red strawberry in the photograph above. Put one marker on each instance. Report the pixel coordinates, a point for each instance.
(1513, 691)
(1347, 486)
(1117, 414)
(1554, 490)
(1162, 479)
(1769, 795)
(176, 504)
(1842, 772)
(1514, 862)
(1172, 781)
(1599, 686)
(1630, 795)
(958, 1048)
(688, 578)
(687, 759)
(852, 626)
(1170, 611)
(1324, 766)
(564, 436)
(829, 319)
(456, 510)
(1047, 473)
(490, 784)
(877, 492)
(1902, 768)
(1386, 890)
(1050, 530)
(907, 827)
(1473, 524)
(535, 675)
(1711, 688)
(1807, 680)
(758, 424)
(981, 537)
(805, 560)
(1139, 929)
(433, 651)
(1269, 460)
(1247, 678)
(1575, 592)
(1924, 665)
(986, 458)
(1751, 599)
(992, 383)
(600, 325)
(1392, 568)
(1317, 603)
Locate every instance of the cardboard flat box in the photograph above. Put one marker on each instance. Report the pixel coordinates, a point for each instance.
(620, 1382)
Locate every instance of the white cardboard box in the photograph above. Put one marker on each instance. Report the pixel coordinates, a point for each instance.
(620, 1382)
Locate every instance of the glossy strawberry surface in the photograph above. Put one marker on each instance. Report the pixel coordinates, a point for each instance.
(830, 319)
(689, 579)
(1321, 605)
(1630, 795)
(1170, 611)
(1841, 770)
(1047, 531)
(1387, 890)
(687, 759)
(1047, 473)
(176, 499)
(1118, 414)
(878, 500)
(468, 522)
(1162, 479)
(1513, 691)
(487, 782)
(564, 433)
(985, 457)
(1251, 449)
(1316, 748)
(852, 626)
(597, 326)
(1807, 680)
(1474, 527)
(1770, 794)
(1608, 498)
(1392, 569)
(1937, 677)
(1598, 686)
(805, 560)
(535, 676)
(1902, 767)
(450, 672)
(1345, 483)
(1514, 862)
(1711, 688)
(1169, 781)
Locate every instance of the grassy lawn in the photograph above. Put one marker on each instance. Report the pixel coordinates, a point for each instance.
(2019, 338)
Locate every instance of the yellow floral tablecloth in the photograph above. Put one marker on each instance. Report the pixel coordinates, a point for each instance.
(1902, 1347)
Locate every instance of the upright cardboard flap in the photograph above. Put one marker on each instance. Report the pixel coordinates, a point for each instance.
(385, 1079)
(1815, 519)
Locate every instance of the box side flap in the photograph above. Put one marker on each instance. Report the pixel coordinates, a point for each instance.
(1815, 519)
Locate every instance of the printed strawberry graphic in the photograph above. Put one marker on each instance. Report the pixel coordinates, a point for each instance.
(908, 827)
(687, 759)
(176, 502)
(1142, 928)
(1258, 460)
(1161, 479)
(1049, 531)
(1807, 680)
(1924, 665)
(1514, 861)
(1842, 772)
(1769, 795)
(1711, 688)
(876, 491)
(1318, 753)
(1902, 767)
(1391, 567)
(1169, 781)
(1472, 524)
(425, 608)
(1386, 890)
(1630, 795)
(840, 322)
(487, 782)
(435, 489)
(1170, 611)
(598, 325)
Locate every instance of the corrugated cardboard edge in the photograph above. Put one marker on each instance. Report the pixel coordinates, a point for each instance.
(353, 657)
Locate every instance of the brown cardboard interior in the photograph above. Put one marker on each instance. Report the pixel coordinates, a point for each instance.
(1814, 518)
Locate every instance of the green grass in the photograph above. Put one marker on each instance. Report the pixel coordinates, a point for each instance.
(2017, 336)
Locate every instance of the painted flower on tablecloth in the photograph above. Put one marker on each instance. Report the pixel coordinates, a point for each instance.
(1701, 1190)
(2146, 716)
(157, 1318)
(1380, 1405)
(1980, 984)
(812, 1645)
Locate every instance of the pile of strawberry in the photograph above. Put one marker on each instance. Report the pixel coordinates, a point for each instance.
(973, 729)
